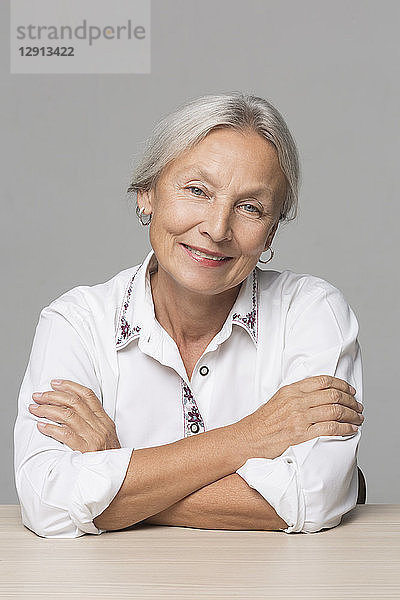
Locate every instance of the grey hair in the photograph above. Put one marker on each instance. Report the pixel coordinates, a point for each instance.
(192, 121)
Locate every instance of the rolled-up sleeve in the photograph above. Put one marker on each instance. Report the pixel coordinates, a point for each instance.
(313, 484)
(60, 490)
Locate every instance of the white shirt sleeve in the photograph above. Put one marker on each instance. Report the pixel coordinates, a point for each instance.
(60, 490)
(313, 484)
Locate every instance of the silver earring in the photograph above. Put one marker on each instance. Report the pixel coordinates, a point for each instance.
(139, 214)
(270, 258)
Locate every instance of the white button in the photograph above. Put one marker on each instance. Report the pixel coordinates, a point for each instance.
(204, 370)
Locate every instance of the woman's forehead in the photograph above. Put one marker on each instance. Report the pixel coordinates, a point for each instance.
(230, 147)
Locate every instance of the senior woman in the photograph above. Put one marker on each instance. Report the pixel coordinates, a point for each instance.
(197, 389)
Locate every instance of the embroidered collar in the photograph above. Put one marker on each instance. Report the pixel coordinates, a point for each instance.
(125, 330)
(136, 311)
(246, 305)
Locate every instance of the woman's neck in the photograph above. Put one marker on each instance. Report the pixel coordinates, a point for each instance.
(187, 316)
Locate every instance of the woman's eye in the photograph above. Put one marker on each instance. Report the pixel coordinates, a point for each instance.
(192, 187)
(254, 210)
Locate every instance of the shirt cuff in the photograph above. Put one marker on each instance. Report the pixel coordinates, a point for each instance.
(100, 477)
(277, 481)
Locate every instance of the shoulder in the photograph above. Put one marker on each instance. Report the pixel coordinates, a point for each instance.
(93, 301)
(294, 285)
(296, 292)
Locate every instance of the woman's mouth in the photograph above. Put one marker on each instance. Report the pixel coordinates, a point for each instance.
(204, 258)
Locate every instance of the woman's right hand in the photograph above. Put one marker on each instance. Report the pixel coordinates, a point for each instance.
(306, 409)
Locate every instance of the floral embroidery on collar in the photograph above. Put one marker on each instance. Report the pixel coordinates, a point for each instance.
(250, 320)
(126, 331)
(192, 420)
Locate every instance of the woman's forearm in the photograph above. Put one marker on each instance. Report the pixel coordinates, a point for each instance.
(158, 477)
(228, 503)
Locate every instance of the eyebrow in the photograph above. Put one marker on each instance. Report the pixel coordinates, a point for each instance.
(189, 172)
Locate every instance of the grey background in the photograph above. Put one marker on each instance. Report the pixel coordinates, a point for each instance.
(69, 143)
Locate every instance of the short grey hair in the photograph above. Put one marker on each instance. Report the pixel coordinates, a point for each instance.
(181, 129)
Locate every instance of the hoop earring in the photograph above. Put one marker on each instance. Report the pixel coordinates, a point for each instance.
(139, 214)
(270, 258)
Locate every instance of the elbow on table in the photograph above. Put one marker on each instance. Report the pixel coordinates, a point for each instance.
(42, 519)
(330, 513)
(316, 526)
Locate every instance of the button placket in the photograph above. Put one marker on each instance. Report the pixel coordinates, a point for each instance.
(199, 388)
(193, 421)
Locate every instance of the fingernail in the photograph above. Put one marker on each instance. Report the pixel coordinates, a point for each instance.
(353, 391)
(37, 395)
(56, 381)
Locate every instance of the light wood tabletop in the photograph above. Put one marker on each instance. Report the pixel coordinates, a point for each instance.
(358, 559)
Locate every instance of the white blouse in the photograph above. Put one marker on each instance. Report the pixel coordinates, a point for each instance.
(283, 327)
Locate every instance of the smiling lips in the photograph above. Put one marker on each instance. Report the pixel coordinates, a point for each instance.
(206, 257)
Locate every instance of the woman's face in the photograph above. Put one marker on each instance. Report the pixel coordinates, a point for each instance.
(224, 196)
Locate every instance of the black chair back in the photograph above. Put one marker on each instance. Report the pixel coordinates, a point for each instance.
(362, 487)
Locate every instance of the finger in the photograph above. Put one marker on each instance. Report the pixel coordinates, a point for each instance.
(71, 400)
(64, 415)
(331, 428)
(321, 382)
(55, 398)
(63, 434)
(334, 412)
(87, 395)
(84, 392)
(334, 396)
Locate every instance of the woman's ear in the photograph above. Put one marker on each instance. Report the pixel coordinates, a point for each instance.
(145, 201)
(271, 236)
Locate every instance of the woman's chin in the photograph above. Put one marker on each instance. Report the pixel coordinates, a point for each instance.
(204, 284)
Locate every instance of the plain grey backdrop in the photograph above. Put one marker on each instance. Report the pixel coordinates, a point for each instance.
(69, 142)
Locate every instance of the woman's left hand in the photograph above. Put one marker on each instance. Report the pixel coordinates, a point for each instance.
(84, 425)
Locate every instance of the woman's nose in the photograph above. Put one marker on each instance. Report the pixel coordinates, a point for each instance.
(217, 223)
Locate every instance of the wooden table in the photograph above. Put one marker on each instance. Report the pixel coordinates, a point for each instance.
(358, 559)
